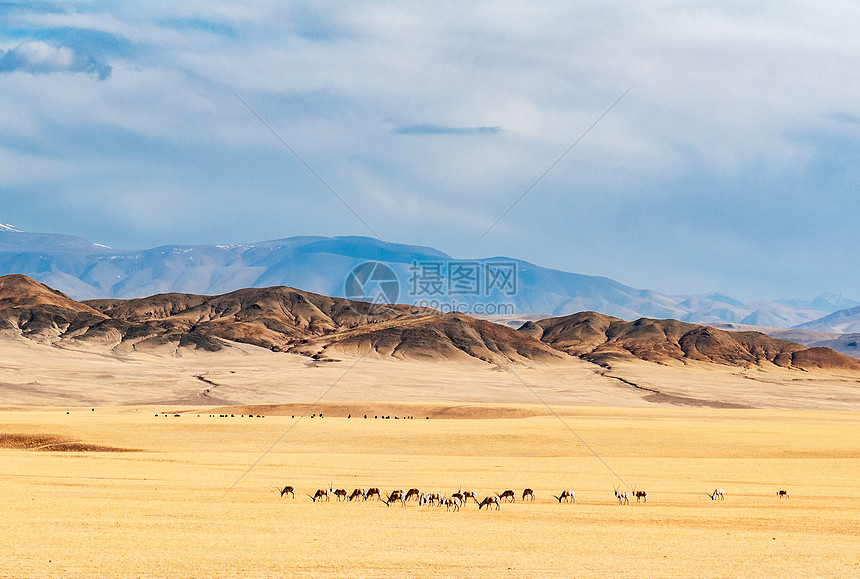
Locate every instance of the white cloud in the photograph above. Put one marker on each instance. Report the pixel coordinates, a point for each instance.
(730, 97)
(37, 57)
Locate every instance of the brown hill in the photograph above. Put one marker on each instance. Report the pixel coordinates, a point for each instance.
(286, 319)
(435, 337)
(601, 338)
(40, 312)
(325, 328)
(20, 291)
(275, 318)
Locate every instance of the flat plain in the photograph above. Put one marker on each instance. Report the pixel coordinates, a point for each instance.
(168, 465)
(197, 495)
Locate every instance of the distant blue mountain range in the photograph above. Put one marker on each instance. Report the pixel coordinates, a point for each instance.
(385, 271)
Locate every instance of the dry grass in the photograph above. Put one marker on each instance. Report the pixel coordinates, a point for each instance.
(171, 511)
(199, 498)
(50, 443)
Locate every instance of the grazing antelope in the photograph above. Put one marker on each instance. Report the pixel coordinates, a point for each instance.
(782, 494)
(528, 493)
(490, 501)
(469, 495)
(340, 494)
(566, 497)
(430, 499)
(320, 495)
(452, 502)
(459, 496)
(412, 493)
(507, 495)
(622, 496)
(288, 490)
(718, 494)
(357, 493)
(372, 492)
(395, 496)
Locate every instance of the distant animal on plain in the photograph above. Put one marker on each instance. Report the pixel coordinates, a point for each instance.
(395, 496)
(430, 499)
(568, 496)
(490, 501)
(452, 502)
(469, 495)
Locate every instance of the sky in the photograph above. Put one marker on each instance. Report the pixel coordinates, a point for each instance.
(731, 162)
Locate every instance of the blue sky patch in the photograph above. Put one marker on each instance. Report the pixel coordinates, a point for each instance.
(429, 129)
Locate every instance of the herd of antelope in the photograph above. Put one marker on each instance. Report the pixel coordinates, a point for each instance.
(401, 497)
(453, 502)
(461, 497)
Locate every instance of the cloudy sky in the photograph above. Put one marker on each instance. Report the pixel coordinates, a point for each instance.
(732, 165)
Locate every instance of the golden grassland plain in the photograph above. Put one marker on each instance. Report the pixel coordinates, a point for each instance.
(183, 491)
(119, 464)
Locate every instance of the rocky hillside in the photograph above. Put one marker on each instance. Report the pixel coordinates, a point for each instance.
(323, 328)
(276, 318)
(601, 339)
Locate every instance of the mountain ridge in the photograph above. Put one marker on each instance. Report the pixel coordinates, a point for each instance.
(845, 321)
(324, 328)
(602, 339)
(86, 270)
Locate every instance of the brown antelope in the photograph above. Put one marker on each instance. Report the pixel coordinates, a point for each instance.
(718, 494)
(412, 493)
(528, 493)
(490, 501)
(372, 492)
(320, 495)
(643, 495)
(430, 499)
(622, 496)
(340, 494)
(469, 495)
(288, 490)
(782, 494)
(507, 495)
(452, 502)
(566, 497)
(395, 496)
(358, 493)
